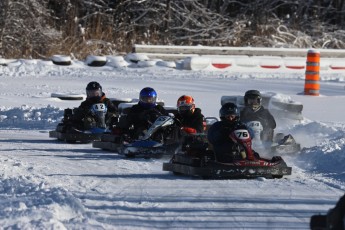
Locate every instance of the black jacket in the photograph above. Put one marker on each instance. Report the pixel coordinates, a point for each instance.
(141, 118)
(225, 149)
(84, 109)
(264, 116)
(194, 120)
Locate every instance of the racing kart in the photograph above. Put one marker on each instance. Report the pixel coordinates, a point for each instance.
(160, 139)
(281, 143)
(69, 132)
(282, 107)
(198, 159)
(156, 139)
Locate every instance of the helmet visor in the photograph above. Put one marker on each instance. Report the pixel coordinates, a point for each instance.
(94, 93)
(148, 99)
(184, 108)
(254, 101)
(231, 117)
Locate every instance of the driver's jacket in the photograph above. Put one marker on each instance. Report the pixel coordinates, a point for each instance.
(140, 118)
(84, 110)
(195, 120)
(264, 117)
(218, 135)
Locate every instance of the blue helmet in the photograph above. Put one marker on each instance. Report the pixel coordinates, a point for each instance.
(148, 97)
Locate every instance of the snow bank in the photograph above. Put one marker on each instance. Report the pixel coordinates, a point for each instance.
(47, 184)
(27, 117)
(327, 155)
(32, 206)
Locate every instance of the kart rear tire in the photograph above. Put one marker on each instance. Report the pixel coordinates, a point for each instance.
(277, 176)
(206, 177)
(130, 155)
(71, 141)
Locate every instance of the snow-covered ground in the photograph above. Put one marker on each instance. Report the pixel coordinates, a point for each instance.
(45, 184)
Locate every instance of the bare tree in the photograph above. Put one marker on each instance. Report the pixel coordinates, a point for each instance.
(25, 29)
(40, 28)
(3, 19)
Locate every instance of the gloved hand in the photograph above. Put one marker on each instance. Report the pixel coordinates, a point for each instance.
(89, 122)
(233, 137)
(112, 120)
(238, 152)
(188, 130)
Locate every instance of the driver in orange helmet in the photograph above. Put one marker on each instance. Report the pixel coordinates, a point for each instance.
(191, 118)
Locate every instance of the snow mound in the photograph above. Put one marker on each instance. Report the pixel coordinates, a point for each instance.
(135, 57)
(169, 64)
(117, 61)
(327, 157)
(61, 60)
(92, 60)
(36, 206)
(26, 117)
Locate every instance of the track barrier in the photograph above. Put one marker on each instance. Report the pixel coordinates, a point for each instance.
(312, 74)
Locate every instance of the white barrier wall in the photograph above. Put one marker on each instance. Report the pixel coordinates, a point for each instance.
(266, 63)
(244, 58)
(248, 51)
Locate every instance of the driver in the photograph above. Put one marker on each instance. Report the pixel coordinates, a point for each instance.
(254, 111)
(83, 117)
(219, 135)
(191, 118)
(142, 115)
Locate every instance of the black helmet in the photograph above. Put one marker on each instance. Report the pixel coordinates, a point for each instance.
(93, 89)
(93, 85)
(253, 99)
(229, 109)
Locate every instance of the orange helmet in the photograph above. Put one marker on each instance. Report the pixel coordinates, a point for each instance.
(185, 104)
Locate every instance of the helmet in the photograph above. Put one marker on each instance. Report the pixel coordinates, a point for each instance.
(252, 98)
(93, 89)
(147, 97)
(185, 105)
(229, 110)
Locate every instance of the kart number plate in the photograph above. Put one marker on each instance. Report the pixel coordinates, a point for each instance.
(100, 107)
(242, 134)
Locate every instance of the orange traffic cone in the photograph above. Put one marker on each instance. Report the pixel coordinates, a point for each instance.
(312, 74)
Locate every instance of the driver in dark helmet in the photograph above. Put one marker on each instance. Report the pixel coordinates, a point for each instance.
(83, 117)
(254, 111)
(225, 148)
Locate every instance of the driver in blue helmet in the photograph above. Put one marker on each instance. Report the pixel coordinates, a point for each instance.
(142, 115)
(219, 135)
(83, 117)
